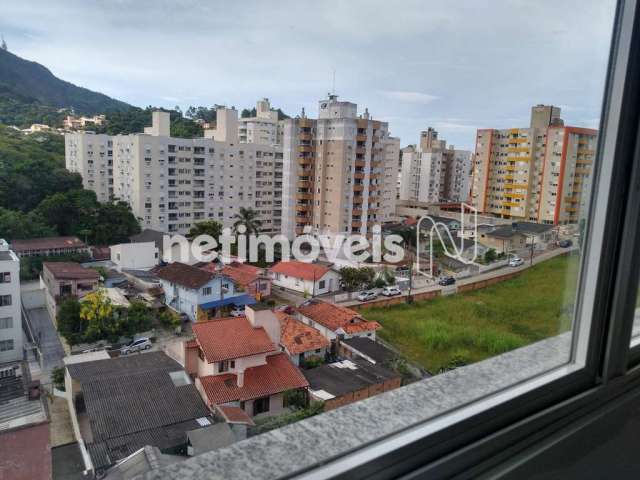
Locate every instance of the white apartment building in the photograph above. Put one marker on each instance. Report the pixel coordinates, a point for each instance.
(340, 171)
(264, 128)
(11, 336)
(172, 183)
(433, 172)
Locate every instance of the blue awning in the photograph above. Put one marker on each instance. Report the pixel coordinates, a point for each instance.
(239, 300)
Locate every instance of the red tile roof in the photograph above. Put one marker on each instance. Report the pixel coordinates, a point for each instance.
(26, 453)
(239, 275)
(185, 275)
(193, 343)
(70, 271)
(305, 271)
(297, 337)
(234, 415)
(101, 253)
(47, 243)
(335, 317)
(276, 376)
(232, 337)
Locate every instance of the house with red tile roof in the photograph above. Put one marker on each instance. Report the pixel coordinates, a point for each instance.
(253, 280)
(299, 340)
(335, 321)
(307, 278)
(236, 362)
(66, 279)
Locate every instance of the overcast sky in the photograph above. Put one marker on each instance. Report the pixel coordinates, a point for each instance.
(454, 65)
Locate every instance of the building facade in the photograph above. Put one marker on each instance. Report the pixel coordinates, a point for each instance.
(172, 183)
(540, 174)
(11, 337)
(432, 172)
(263, 128)
(339, 171)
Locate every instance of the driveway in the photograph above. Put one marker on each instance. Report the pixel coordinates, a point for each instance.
(47, 338)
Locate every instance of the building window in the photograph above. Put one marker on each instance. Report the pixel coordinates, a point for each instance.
(5, 277)
(6, 323)
(223, 366)
(6, 345)
(206, 291)
(321, 284)
(261, 405)
(5, 300)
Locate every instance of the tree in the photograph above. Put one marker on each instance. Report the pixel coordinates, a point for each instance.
(139, 318)
(69, 322)
(169, 319)
(249, 218)
(209, 227)
(98, 317)
(57, 377)
(490, 256)
(15, 225)
(357, 278)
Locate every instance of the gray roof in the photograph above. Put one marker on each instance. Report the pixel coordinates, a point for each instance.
(149, 235)
(132, 401)
(209, 438)
(378, 352)
(519, 228)
(340, 381)
(144, 460)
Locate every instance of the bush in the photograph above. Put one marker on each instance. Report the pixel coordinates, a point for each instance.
(57, 378)
(169, 319)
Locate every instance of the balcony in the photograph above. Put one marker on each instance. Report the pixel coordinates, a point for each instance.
(356, 224)
(361, 137)
(518, 149)
(514, 195)
(358, 175)
(303, 161)
(304, 196)
(304, 184)
(305, 136)
(515, 185)
(358, 187)
(303, 208)
(359, 163)
(305, 148)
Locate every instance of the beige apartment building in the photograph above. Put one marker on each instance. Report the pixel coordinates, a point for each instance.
(172, 183)
(540, 174)
(340, 171)
(264, 128)
(433, 172)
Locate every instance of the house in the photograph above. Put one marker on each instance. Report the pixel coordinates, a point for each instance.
(253, 280)
(196, 292)
(25, 448)
(120, 405)
(340, 383)
(49, 246)
(143, 255)
(518, 235)
(364, 347)
(237, 363)
(335, 321)
(301, 341)
(307, 278)
(66, 279)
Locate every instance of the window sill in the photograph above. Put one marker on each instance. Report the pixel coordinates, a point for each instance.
(397, 417)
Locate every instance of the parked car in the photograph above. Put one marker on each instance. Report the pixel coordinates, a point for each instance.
(367, 295)
(516, 262)
(445, 281)
(137, 345)
(565, 243)
(391, 291)
(237, 312)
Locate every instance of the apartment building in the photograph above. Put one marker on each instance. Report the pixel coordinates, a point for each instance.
(542, 173)
(172, 183)
(340, 170)
(11, 339)
(433, 172)
(263, 128)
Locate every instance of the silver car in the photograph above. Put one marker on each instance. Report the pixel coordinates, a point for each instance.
(137, 345)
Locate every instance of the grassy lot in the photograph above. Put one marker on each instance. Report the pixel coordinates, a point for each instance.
(465, 328)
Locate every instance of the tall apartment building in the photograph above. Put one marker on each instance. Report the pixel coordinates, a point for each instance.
(340, 171)
(541, 174)
(432, 172)
(172, 183)
(11, 336)
(264, 128)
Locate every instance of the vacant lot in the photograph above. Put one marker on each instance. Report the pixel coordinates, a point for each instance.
(465, 328)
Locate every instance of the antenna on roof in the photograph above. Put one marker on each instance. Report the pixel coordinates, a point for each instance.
(333, 84)
(3, 45)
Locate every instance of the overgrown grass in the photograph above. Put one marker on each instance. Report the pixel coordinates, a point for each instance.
(465, 328)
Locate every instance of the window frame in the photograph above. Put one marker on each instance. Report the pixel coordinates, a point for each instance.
(483, 439)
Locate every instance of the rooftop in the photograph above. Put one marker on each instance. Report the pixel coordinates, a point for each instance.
(133, 401)
(277, 375)
(524, 228)
(298, 337)
(370, 349)
(185, 275)
(305, 271)
(70, 271)
(149, 235)
(231, 337)
(234, 415)
(46, 243)
(336, 317)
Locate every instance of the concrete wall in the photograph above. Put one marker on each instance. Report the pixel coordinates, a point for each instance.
(33, 298)
(358, 395)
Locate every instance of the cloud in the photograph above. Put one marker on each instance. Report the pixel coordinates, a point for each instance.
(410, 97)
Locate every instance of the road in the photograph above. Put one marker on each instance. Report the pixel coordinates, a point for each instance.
(452, 289)
(50, 345)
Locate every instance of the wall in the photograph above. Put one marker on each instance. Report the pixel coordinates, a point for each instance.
(13, 311)
(33, 298)
(134, 255)
(358, 395)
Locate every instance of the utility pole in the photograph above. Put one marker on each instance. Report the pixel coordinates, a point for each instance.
(532, 245)
(409, 297)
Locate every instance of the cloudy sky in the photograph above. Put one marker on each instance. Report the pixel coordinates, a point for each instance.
(454, 65)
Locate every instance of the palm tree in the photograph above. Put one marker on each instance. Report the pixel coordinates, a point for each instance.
(208, 227)
(249, 218)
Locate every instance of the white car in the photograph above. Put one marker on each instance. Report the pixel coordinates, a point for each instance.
(391, 291)
(367, 295)
(237, 312)
(137, 345)
(516, 262)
